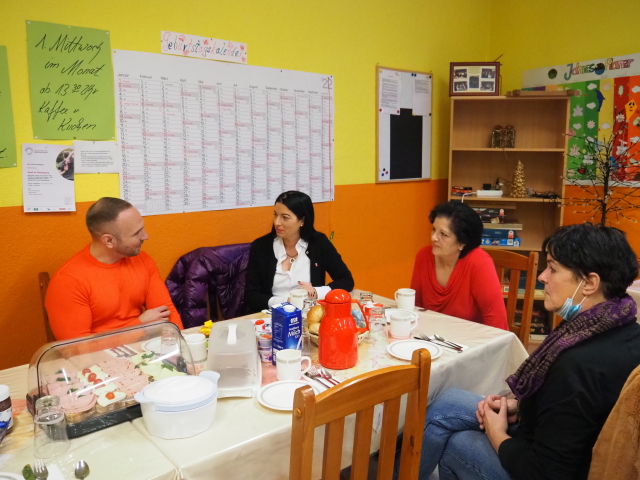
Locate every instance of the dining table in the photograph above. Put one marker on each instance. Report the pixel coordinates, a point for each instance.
(248, 439)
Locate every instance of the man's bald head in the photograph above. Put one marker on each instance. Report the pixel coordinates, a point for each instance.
(102, 215)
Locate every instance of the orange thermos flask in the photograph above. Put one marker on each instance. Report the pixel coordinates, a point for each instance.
(338, 335)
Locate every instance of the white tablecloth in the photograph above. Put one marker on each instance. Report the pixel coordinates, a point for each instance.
(249, 441)
(119, 452)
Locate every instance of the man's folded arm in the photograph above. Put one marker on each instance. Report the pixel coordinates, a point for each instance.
(158, 295)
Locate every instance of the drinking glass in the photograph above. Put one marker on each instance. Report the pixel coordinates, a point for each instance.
(50, 428)
(366, 297)
(377, 328)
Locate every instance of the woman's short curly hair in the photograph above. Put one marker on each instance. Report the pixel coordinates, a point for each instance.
(464, 221)
(587, 248)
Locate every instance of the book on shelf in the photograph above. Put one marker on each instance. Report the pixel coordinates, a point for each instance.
(503, 226)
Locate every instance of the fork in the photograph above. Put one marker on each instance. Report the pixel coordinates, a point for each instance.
(426, 338)
(40, 470)
(314, 372)
(328, 377)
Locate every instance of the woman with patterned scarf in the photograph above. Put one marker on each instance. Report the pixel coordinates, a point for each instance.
(565, 390)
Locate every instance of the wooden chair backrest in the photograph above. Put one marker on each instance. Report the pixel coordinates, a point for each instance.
(43, 280)
(360, 395)
(517, 263)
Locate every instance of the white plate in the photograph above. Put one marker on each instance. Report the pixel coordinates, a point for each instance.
(152, 345)
(403, 349)
(389, 311)
(279, 395)
(10, 476)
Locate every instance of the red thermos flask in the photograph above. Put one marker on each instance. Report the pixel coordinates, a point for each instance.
(338, 335)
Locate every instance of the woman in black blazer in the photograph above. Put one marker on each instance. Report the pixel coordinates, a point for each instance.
(293, 255)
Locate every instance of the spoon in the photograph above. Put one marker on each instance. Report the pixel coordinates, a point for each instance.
(439, 338)
(82, 470)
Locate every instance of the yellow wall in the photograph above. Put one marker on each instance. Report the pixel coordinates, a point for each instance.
(545, 33)
(378, 228)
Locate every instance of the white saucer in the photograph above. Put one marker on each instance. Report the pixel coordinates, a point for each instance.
(152, 345)
(403, 349)
(279, 395)
(10, 476)
(389, 311)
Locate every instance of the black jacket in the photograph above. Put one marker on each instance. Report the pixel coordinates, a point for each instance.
(323, 257)
(559, 424)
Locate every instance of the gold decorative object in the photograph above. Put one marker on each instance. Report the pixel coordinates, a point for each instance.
(503, 137)
(518, 190)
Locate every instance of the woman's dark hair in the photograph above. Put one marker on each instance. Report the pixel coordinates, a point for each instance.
(587, 248)
(465, 223)
(302, 207)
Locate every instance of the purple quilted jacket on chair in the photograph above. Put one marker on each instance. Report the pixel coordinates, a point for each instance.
(216, 274)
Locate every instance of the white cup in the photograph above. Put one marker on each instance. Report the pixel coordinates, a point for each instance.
(406, 298)
(197, 343)
(297, 297)
(401, 324)
(289, 364)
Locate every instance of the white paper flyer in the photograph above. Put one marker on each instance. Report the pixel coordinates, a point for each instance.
(47, 178)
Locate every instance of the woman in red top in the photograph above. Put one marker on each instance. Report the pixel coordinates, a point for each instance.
(454, 275)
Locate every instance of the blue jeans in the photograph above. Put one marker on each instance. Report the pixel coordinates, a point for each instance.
(453, 441)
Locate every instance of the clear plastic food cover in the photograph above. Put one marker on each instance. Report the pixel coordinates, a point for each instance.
(96, 377)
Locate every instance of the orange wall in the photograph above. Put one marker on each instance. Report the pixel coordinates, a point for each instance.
(378, 230)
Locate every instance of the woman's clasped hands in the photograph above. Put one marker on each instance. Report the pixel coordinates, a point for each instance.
(495, 414)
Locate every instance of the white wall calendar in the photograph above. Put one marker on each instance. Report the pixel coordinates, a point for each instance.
(200, 135)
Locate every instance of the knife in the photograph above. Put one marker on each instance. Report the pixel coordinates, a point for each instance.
(457, 349)
(319, 380)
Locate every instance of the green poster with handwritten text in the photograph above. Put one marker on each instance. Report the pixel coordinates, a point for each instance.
(71, 82)
(7, 133)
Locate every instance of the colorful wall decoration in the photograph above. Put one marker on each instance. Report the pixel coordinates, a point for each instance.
(608, 92)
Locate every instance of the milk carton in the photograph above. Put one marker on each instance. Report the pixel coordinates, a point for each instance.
(286, 327)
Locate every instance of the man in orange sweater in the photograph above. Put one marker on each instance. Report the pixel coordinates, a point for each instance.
(110, 283)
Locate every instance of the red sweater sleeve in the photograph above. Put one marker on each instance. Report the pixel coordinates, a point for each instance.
(67, 305)
(158, 295)
(487, 293)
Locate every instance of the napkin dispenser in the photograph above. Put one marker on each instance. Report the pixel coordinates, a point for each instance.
(233, 353)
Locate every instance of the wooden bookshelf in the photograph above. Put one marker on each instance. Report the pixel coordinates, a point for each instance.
(541, 143)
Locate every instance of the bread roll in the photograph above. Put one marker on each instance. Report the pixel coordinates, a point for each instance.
(315, 315)
(314, 328)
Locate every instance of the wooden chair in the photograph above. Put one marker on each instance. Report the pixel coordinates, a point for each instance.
(360, 395)
(43, 279)
(517, 263)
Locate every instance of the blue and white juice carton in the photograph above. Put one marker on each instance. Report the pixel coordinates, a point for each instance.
(286, 327)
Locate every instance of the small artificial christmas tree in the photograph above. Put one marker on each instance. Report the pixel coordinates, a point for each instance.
(518, 190)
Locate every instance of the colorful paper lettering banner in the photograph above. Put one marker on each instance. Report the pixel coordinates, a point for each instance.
(202, 47)
(612, 67)
(7, 134)
(71, 82)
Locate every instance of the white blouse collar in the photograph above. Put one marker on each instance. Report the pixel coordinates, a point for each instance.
(279, 250)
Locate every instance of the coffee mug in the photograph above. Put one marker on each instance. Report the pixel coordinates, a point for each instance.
(406, 298)
(289, 364)
(401, 324)
(297, 297)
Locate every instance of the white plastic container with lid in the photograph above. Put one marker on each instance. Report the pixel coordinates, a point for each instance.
(233, 353)
(6, 415)
(179, 407)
